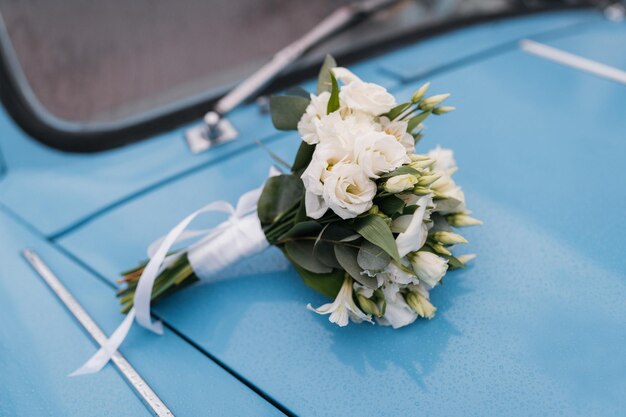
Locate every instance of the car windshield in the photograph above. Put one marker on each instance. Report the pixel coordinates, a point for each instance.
(111, 60)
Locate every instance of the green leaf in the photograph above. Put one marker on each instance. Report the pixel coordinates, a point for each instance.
(390, 205)
(374, 229)
(300, 252)
(333, 101)
(303, 157)
(280, 194)
(401, 171)
(298, 91)
(415, 121)
(301, 213)
(323, 80)
(324, 248)
(453, 262)
(347, 258)
(287, 111)
(395, 112)
(326, 284)
(372, 258)
(307, 228)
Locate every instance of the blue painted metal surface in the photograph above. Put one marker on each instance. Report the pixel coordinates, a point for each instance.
(56, 191)
(536, 327)
(40, 344)
(457, 48)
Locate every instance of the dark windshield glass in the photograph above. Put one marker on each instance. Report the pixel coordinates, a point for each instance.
(108, 60)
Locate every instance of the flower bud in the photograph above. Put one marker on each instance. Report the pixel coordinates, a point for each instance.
(368, 306)
(448, 238)
(428, 267)
(432, 101)
(420, 304)
(417, 96)
(422, 164)
(400, 183)
(422, 191)
(426, 180)
(443, 110)
(374, 210)
(465, 259)
(418, 157)
(462, 220)
(441, 249)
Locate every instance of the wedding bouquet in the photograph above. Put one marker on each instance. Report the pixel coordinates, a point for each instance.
(363, 217)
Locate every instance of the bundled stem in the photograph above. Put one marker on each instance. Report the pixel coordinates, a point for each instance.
(180, 274)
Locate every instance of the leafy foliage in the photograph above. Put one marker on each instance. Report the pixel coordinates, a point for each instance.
(333, 102)
(390, 205)
(280, 194)
(347, 257)
(323, 80)
(303, 157)
(300, 252)
(287, 111)
(396, 111)
(372, 258)
(374, 229)
(326, 284)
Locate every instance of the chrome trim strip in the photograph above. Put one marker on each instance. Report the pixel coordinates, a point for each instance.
(574, 61)
(146, 393)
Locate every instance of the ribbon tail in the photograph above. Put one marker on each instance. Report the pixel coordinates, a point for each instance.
(108, 349)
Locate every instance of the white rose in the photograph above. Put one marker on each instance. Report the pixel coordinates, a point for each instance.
(359, 95)
(428, 267)
(400, 183)
(398, 129)
(309, 122)
(411, 228)
(378, 153)
(348, 191)
(444, 159)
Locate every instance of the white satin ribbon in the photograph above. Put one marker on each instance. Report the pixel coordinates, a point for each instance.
(240, 236)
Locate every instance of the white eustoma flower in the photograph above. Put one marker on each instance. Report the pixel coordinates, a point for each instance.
(310, 121)
(413, 237)
(314, 187)
(429, 267)
(400, 183)
(343, 308)
(348, 191)
(397, 312)
(325, 157)
(398, 128)
(344, 128)
(359, 95)
(378, 153)
(444, 159)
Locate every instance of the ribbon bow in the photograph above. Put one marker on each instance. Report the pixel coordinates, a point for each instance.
(243, 234)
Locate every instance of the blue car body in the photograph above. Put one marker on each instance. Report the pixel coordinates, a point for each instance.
(536, 326)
